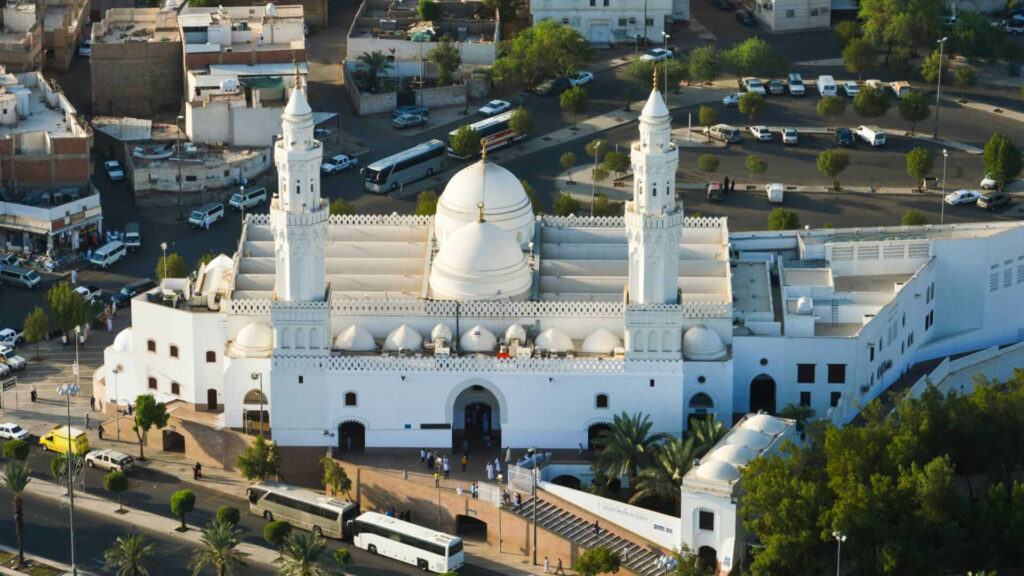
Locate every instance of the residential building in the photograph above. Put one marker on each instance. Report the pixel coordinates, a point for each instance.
(788, 15)
(607, 22)
(263, 34)
(21, 42)
(63, 31)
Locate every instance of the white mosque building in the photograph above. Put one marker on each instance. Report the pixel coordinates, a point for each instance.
(375, 331)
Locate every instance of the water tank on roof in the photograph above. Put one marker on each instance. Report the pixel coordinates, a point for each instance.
(229, 85)
(22, 106)
(271, 10)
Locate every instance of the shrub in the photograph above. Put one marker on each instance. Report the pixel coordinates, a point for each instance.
(275, 532)
(16, 449)
(229, 515)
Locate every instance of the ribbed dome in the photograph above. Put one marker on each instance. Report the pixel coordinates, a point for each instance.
(355, 338)
(718, 471)
(441, 330)
(123, 341)
(702, 343)
(752, 439)
(515, 332)
(601, 341)
(403, 338)
(480, 262)
(254, 340)
(506, 204)
(733, 454)
(765, 423)
(555, 340)
(655, 106)
(478, 339)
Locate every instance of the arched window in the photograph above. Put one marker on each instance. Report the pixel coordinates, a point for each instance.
(701, 400)
(254, 396)
(151, 345)
(350, 398)
(175, 388)
(211, 356)
(152, 383)
(174, 351)
(601, 401)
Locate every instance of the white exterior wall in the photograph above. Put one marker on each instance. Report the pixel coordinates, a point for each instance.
(726, 538)
(718, 384)
(601, 22)
(477, 53)
(787, 15)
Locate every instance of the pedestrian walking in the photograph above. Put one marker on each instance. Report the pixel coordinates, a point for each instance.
(86, 420)
(726, 184)
(64, 340)
(101, 431)
(473, 491)
(581, 456)
(732, 186)
(92, 402)
(560, 570)
(465, 460)
(547, 565)
(437, 480)
(508, 456)
(32, 392)
(74, 276)
(110, 323)
(490, 471)
(113, 309)
(597, 528)
(458, 489)
(447, 470)
(423, 455)
(497, 466)
(195, 472)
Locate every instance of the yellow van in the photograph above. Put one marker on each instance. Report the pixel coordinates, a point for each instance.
(57, 440)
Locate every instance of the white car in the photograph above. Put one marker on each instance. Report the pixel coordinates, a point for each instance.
(731, 101)
(495, 107)
(12, 431)
(754, 85)
(114, 171)
(776, 192)
(873, 83)
(90, 293)
(338, 163)
(580, 78)
(989, 183)
(851, 89)
(12, 360)
(11, 337)
(762, 133)
(656, 55)
(789, 136)
(86, 48)
(962, 197)
(110, 460)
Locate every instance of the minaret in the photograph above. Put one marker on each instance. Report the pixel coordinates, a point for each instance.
(654, 220)
(298, 216)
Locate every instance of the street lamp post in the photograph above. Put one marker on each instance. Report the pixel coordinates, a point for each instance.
(259, 376)
(840, 538)
(942, 198)
(163, 248)
(533, 478)
(593, 177)
(117, 398)
(938, 87)
(177, 126)
(68, 390)
(667, 36)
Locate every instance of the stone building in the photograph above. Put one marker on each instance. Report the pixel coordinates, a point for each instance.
(21, 42)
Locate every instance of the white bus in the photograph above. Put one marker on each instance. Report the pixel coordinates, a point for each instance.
(407, 542)
(301, 508)
(490, 127)
(418, 162)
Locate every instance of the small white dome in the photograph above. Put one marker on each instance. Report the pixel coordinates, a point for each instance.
(297, 104)
(555, 340)
(515, 332)
(702, 343)
(718, 471)
(601, 341)
(506, 204)
(751, 439)
(355, 338)
(403, 338)
(765, 423)
(254, 340)
(217, 275)
(804, 305)
(441, 331)
(481, 262)
(655, 106)
(732, 453)
(478, 339)
(123, 342)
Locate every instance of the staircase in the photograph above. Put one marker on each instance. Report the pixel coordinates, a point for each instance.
(635, 558)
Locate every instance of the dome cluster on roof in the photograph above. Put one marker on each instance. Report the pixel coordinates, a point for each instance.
(601, 341)
(504, 199)
(355, 338)
(554, 340)
(254, 340)
(718, 471)
(480, 262)
(751, 439)
(403, 338)
(740, 446)
(703, 343)
(765, 424)
(478, 339)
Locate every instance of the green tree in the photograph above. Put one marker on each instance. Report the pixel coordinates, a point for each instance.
(690, 564)
(706, 433)
(913, 218)
(782, 219)
(930, 69)
(218, 548)
(131, 555)
(574, 100)
(275, 532)
(965, 78)
(206, 258)
(334, 478)
(707, 163)
(342, 207)
(846, 31)
(547, 49)
(919, 164)
(616, 162)
(16, 450)
(626, 445)
(599, 174)
(67, 307)
(641, 73)
(521, 121)
(899, 62)
(426, 203)
(532, 195)
(116, 482)
(830, 107)
(1002, 159)
(753, 57)
(183, 502)
(708, 117)
(802, 414)
(755, 165)
(831, 163)
(229, 515)
(466, 142)
(871, 102)
(16, 477)
(972, 37)
(600, 560)
(37, 327)
(663, 480)
(568, 160)
(859, 56)
(172, 267)
(302, 555)
(429, 10)
(596, 149)
(751, 104)
(149, 414)
(259, 460)
(605, 207)
(342, 557)
(914, 108)
(705, 63)
(374, 63)
(446, 56)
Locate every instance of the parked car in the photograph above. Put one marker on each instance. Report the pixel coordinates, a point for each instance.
(109, 254)
(851, 89)
(246, 199)
(5, 370)
(408, 121)
(12, 431)
(789, 136)
(90, 292)
(716, 191)
(580, 78)
(745, 17)
(989, 183)
(994, 200)
(724, 132)
(1011, 26)
(86, 48)
(656, 55)
(873, 83)
(8, 260)
(762, 133)
(731, 101)
(10, 358)
(110, 460)
(723, 4)
(338, 163)
(11, 337)
(552, 87)
(873, 135)
(796, 85)
(114, 171)
(131, 290)
(754, 85)
(495, 107)
(900, 89)
(775, 193)
(962, 197)
(206, 215)
(776, 87)
(132, 236)
(401, 110)
(844, 137)
(22, 277)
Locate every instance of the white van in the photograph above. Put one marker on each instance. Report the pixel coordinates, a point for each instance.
(108, 254)
(826, 85)
(248, 198)
(724, 132)
(873, 135)
(22, 277)
(206, 215)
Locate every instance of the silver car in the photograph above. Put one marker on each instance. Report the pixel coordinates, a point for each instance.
(110, 460)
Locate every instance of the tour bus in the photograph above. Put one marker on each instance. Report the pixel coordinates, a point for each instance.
(418, 162)
(494, 133)
(307, 510)
(407, 542)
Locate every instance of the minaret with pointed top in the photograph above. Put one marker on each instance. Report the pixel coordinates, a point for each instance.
(298, 216)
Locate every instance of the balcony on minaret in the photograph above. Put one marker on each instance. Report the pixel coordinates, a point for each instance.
(638, 146)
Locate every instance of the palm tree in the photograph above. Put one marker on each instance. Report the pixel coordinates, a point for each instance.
(131, 555)
(218, 548)
(664, 478)
(301, 553)
(16, 478)
(706, 432)
(626, 446)
(374, 63)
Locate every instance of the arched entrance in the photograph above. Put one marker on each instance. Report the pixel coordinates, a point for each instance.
(470, 528)
(762, 394)
(211, 399)
(257, 416)
(476, 420)
(593, 432)
(700, 407)
(351, 437)
(568, 481)
(173, 442)
(708, 558)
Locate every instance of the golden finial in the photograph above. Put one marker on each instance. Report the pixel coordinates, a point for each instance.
(295, 62)
(483, 152)
(480, 208)
(655, 68)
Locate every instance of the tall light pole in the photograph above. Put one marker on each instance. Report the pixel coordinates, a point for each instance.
(533, 477)
(942, 214)
(178, 124)
(163, 248)
(259, 376)
(938, 87)
(840, 538)
(667, 36)
(593, 176)
(117, 399)
(68, 390)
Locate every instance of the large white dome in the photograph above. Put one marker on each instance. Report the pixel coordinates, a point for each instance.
(506, 204)
(478, 339)
(732, 453)
(601, 341)
(718, 471)
(123, 341)
(355, 338)
(555, 340)
(403, 338)
(751, 439)
(254, 340)
(765, 423)
(481, 262)
(702, 343)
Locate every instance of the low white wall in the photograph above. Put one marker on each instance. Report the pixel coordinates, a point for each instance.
(482, 53)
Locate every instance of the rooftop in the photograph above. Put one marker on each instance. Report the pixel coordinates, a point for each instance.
(754, 436)
(751, 290)
(38, 107)
(124, 25)
(242, 28)
(869, 282)
(462, 21)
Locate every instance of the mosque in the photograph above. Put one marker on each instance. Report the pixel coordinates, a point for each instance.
(488, 323)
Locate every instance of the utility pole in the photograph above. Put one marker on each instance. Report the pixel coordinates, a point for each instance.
(942, 198)
(938, 87)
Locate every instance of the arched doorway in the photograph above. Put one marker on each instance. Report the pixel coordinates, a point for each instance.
(476, 420)
(568, 481)
(470, 528)
(211, 399)
(351, 437)
(173, 442)
(593, 432)
(762, 394)
(708, 558)
(700, 407)
(257, 416)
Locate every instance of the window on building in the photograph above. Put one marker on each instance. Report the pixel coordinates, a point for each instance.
(350, 399)
(871, 353)
(175, 388)
(622, 22)
(805, 398)
(300, 379)
(652, 382)
(211, 356)
(593, 3)
(707, 520)
(805, 373)
(790, 13)
(650, 21)
(190, 178)
(151, 345)
(152, 383)
(836, 373)
(833, 399)
(174, 351)
(602, 401)
(606, 3)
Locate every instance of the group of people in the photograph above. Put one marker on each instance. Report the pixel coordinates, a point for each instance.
(407, 515)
